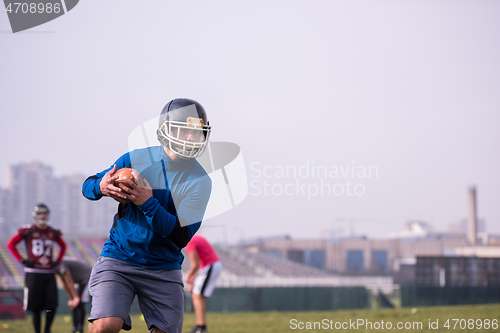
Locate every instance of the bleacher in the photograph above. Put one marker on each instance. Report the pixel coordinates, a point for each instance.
(241, 269)
(248, 269)
(12, 273)
(242, 263)
(6, 278)
(87, 249)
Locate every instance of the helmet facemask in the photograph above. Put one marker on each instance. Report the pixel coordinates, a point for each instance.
(187, 138)
(41, 214)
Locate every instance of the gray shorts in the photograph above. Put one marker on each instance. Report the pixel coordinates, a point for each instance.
(113, 285)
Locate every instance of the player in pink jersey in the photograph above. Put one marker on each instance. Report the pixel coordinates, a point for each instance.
(40, 282)
(203, 274)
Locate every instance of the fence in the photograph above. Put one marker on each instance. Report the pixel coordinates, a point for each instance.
(431, 295)
(286, 299)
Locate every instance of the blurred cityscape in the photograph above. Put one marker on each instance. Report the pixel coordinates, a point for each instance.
(465, 256)
(28, 184)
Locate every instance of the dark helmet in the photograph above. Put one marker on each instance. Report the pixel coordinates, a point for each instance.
(41, 209)
(184, 128)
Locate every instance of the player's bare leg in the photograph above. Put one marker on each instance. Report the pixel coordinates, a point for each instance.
(200, 308)
(106, 325)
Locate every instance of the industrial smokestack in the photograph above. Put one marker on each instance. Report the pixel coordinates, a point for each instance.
(472, 221)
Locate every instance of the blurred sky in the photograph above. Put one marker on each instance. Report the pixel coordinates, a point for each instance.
(410, 88)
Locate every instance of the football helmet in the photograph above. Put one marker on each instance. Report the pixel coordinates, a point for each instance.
(183, 127)
(41, 209)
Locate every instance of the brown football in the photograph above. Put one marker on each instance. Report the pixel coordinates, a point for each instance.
(122, 174)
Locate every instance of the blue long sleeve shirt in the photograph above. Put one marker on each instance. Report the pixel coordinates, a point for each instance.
(153, 234)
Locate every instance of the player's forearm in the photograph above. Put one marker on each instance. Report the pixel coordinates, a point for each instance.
(11, 245)
(68, 292)
(62, 250)
(194, 265)
(167, 224)
(192, 270)
(90, 188)
(157, 217)
(68, 284)
(181, 236)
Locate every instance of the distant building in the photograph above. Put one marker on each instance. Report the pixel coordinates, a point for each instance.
(28, 184)
(360, 256)
(414, 229)
(460, 227)
(457, 271)
(31, 183)
(490, 251)
(4, 218)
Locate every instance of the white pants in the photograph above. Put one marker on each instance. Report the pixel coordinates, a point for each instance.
(204, 283)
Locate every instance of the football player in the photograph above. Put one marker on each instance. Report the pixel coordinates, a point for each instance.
(156, 218)
(75, 276)
(201, 279)
(39, 266)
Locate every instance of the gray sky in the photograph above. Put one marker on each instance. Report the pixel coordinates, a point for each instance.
(407, 88)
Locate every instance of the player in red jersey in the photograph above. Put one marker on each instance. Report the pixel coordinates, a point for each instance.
(40, 281)
(201, 278)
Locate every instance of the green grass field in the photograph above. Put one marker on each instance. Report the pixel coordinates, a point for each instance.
(468, 318)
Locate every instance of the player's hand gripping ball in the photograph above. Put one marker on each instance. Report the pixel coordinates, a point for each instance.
(124, 173)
